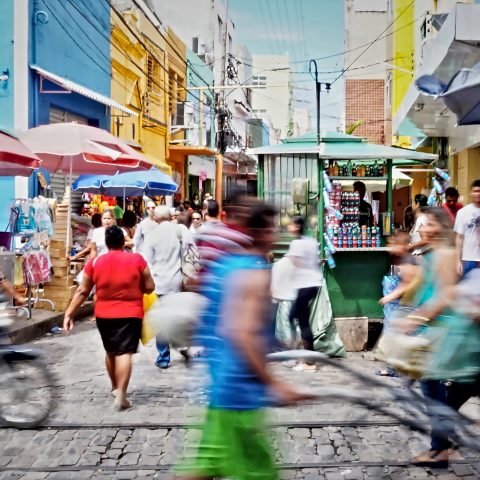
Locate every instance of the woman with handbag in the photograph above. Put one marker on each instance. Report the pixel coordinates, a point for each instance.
(451, 372)
(121, 279)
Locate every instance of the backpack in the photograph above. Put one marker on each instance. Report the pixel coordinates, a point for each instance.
(190, 258)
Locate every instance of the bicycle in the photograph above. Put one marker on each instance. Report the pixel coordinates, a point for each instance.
(409, 407)
(26, 384)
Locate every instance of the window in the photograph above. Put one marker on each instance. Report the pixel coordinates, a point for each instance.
(172, 93)
(259, 80)
(153, 74)
(220, 29)
(370, 6)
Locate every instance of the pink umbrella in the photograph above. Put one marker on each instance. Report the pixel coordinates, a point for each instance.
(80, 149)
(15, 158)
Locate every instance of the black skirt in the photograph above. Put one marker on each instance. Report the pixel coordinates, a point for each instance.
(120, 335)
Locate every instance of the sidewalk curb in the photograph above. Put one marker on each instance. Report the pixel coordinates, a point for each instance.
(42, 321)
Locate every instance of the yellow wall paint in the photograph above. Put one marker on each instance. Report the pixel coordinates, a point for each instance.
(403, 50)
(130, 86)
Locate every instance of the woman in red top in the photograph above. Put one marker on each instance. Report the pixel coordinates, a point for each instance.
(121, 278)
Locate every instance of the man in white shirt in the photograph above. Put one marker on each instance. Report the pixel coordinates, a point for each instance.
(467, 228)
(147, 224)
(162, 251)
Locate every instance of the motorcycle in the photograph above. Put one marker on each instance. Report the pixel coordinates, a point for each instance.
(26, 383)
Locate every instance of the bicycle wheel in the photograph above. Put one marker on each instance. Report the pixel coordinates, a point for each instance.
(26, 393)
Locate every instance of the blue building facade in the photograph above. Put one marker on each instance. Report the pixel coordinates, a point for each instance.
(7, 184)
(71, 40)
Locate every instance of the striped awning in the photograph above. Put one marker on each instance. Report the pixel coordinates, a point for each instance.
(86, 92)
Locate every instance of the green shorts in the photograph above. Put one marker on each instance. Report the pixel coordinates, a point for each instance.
(233, 444)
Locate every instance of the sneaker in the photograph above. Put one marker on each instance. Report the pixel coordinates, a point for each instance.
(162, 365)
(305, 367)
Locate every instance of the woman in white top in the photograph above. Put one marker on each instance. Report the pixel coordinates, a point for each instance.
(417, 244)
(307, 279)
(98, 246)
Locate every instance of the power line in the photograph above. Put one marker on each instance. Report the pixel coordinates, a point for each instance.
(376, 39)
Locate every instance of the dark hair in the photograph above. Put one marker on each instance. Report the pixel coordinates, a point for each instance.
(185, 219)
(359, 187)
(476, 183)
(114, 238)
(96, 220)
(213, 208)
(421, 199)
(299, 222)
(451, 192)
(129, 219)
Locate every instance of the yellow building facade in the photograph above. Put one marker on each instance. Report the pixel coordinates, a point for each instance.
(148, 76)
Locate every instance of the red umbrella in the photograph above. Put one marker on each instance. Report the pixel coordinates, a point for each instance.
(15, 158)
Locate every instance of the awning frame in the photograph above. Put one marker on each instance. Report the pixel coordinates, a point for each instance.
(71, 86)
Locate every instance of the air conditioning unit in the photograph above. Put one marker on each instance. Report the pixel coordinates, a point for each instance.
(183, 115)
(198, 45)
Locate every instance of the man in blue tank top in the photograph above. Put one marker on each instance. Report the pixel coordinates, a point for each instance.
(235, 334)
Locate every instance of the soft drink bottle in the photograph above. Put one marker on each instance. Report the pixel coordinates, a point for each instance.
(437, 186)
(329, 258)
(328, 184)
(443, 175)
(432, 198)
(329, 243)
(326, 199)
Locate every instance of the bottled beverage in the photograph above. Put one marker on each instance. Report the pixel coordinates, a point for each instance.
(361, 170)
(329, 243)
(334, 171)
(438, 186)
(326, 199)
(443, 175)
(349, 168)
(354, 170)
(432, 198)
(329, 258)
(326, 181)
(378, 241)
(375, 169)
(381, 170)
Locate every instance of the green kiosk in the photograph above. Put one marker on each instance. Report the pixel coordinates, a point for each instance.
(293, 175)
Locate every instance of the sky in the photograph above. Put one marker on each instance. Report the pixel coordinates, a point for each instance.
(304, 29)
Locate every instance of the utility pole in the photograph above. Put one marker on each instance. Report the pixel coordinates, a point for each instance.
(320, 166)
(222, 116)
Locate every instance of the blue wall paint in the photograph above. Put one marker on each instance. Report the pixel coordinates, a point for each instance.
(7, 184)
(75, 44)
(6, 62)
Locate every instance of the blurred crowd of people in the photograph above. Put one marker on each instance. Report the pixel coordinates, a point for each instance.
(439, 289)
(190, 247)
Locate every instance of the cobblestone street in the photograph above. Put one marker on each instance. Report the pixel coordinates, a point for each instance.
(147, 440)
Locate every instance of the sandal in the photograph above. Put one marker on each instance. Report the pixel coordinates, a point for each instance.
(387, 372)
(432, 459)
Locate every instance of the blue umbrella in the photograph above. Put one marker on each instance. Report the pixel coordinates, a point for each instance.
(90, 183)
(130, 184)
(143, 182)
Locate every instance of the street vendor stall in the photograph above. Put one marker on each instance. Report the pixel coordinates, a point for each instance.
(302, 177)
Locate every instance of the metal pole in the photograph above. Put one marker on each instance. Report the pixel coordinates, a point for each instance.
(390, 192)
